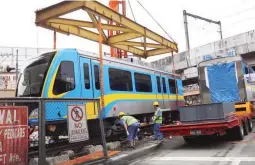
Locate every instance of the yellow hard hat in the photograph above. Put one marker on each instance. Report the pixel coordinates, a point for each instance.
(121, 113)
(155, 103)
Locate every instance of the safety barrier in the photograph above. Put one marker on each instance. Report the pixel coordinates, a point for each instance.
(51, 131)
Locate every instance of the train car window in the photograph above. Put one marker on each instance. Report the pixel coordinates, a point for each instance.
(33, 75)
(120, 80)
(172, 86)
(86, 76)
(65, 80)
(143, 82)
(158, 84)
(164, 85)
(253, 68)
(96, 74)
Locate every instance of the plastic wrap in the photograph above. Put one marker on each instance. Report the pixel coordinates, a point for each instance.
(223, 83)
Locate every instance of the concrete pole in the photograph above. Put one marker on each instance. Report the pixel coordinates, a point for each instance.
(221, 37)
(186, 35)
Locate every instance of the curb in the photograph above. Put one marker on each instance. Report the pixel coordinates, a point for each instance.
(125, 157)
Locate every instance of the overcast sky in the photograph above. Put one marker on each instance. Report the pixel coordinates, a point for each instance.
(237, 16)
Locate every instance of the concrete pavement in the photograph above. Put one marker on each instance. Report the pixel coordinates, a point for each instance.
(218, 151)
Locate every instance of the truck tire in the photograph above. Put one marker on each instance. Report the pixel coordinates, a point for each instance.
(238, 132)
(245, 127)
(188, 139)
(250, 125)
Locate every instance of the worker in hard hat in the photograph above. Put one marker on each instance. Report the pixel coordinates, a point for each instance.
(131, 126)
(157, 119)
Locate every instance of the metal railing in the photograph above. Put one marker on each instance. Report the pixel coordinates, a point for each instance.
(48, 109)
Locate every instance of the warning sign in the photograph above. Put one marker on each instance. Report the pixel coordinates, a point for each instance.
(13, 135)
(77, 123)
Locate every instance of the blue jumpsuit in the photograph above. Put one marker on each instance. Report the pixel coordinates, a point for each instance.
(132, 129)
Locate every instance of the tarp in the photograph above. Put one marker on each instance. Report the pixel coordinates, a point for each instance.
(223, 83)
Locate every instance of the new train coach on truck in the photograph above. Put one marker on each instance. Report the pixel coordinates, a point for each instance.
(70, 73)
(227, 93)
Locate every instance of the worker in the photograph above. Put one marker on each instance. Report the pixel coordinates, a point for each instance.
(131, 126)
(157, 120)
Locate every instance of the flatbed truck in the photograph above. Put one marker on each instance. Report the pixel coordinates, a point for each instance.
(226, 88)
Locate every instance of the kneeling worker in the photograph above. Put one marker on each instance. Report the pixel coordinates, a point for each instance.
(157, 119)
(131, 126)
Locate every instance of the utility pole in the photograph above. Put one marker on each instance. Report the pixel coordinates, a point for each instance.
(186, 35)
(17, 65)
(185, 14)
(220, 31)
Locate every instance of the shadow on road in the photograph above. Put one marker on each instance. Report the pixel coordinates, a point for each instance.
(205, 142)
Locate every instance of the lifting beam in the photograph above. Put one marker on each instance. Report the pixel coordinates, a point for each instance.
(153, 44)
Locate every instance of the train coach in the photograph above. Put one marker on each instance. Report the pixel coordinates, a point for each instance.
(70, 73)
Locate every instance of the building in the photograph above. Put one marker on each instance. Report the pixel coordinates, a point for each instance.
(185, 62)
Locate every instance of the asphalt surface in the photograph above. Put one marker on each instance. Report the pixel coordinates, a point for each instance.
(211, 151)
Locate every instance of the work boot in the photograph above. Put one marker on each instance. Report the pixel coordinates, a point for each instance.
(160, 139)
(131, 145)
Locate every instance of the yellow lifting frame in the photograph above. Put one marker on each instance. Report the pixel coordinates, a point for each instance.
(50, 18)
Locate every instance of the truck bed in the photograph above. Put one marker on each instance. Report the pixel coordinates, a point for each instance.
(200, 128)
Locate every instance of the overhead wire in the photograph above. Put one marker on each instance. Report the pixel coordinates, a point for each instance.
(172, 52)
(202, 27)
(156, 21)
(243, 20)
(131, 10)
(129, 4)
(239, 12)
(199, 26)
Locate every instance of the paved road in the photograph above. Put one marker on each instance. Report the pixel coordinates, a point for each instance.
(219, 151)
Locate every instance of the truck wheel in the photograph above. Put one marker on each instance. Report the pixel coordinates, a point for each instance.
(250, 125)
(188, 139)
(245, 127)
(239, 132)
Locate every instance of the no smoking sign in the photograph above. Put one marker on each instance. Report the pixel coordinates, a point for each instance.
(77, 123)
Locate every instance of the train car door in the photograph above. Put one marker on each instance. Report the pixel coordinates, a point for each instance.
(86, 86)
(163, 90)
(158, 87)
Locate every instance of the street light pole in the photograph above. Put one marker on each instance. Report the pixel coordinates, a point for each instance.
(185, 14)
(186, 36)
